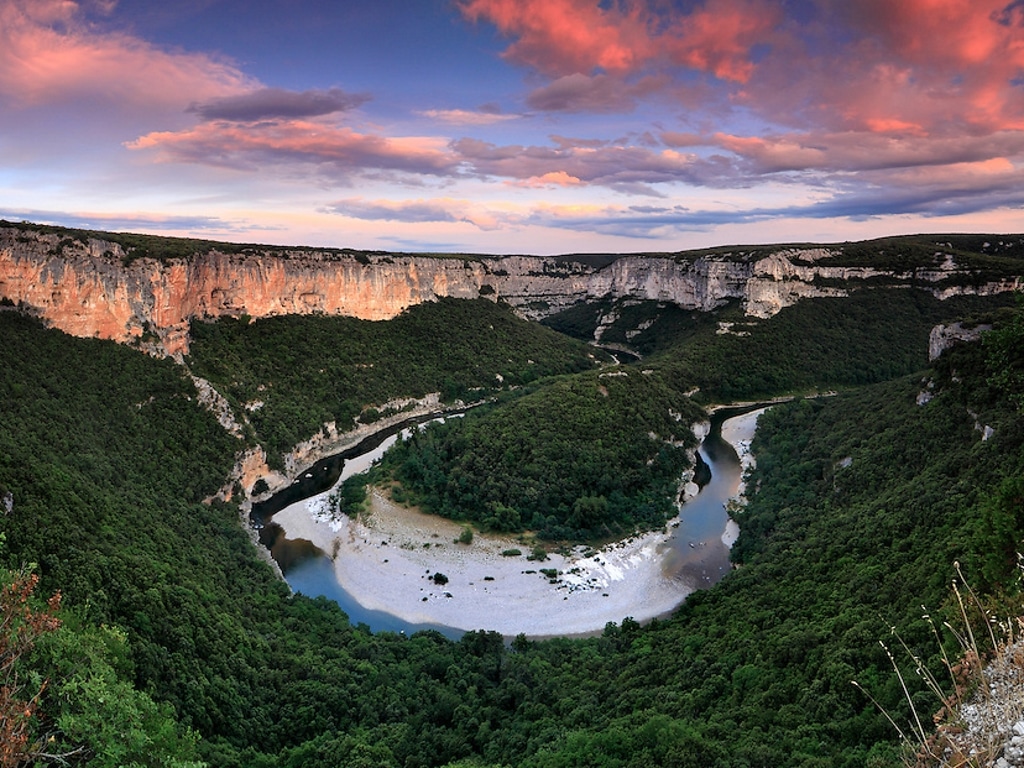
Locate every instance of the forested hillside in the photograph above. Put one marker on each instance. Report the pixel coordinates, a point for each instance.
(303, 371)
(586, 458)
(821, 343)
(599, 455)
(175, 626)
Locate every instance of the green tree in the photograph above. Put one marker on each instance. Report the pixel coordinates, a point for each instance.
(1005, 357)
(98, 710)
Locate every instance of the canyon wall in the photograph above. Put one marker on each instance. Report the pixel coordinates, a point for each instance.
(94, 288)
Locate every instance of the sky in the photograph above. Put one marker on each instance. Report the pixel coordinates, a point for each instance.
(514, 126)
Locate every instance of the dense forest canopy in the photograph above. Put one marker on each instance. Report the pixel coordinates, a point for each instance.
(175, 643)
(305, 371)
(588, 457)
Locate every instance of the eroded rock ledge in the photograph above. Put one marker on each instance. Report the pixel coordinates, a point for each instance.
(94, 287)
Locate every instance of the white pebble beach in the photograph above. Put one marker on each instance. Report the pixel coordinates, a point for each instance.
(386, 559)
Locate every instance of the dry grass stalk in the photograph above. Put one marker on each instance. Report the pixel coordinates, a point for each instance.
(980, 719)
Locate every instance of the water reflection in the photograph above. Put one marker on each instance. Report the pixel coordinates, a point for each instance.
(696, 553)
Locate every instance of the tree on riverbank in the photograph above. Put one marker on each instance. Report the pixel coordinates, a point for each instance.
(590, 457)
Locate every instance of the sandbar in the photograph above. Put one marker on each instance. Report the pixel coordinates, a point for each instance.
(386, 560)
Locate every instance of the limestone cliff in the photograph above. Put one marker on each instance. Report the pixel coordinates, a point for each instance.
(88, 286)
(942, 337)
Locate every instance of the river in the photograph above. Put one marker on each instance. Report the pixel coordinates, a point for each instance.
(306, 567)
(379, 571)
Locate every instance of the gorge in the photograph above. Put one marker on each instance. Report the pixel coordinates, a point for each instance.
(114, 457)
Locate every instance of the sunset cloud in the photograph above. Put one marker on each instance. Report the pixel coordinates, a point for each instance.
(623, 167)
(117, 222)
(419, 212)
(549, 180)
(924, 67)
(592, 93)
(335, 149)
(560, 37)
(270, 103)
(569, 37)
(652, 169)
(956, 197)
(50, 53)
(720, 37)
(876, 66)
(854, 151)
(467, 117)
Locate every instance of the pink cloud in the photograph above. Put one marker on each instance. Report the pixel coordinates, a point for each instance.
(270, 103)
(919, 67)
(629, 168)
(777, 154)
(718, 37)
(851, 151)
(341, 152)
(593, 93)
(49, 53)
(437, 210)
(246, 145)
(983, 175)
(467, 117)
(569, 37)
(549, 180)
(561, 37)
(944, 34)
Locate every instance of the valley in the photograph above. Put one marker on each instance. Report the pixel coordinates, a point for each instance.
(130, 497)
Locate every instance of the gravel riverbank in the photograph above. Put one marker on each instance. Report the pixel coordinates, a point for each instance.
(387, 561)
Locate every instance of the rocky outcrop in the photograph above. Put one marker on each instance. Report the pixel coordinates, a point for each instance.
(217, 404)
(252, 465)
(942, 337)
(91, 287)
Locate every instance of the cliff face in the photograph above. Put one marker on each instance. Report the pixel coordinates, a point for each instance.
(93, 289)
(942, 337)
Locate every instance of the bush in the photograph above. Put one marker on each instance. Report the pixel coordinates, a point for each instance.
(539, 554)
